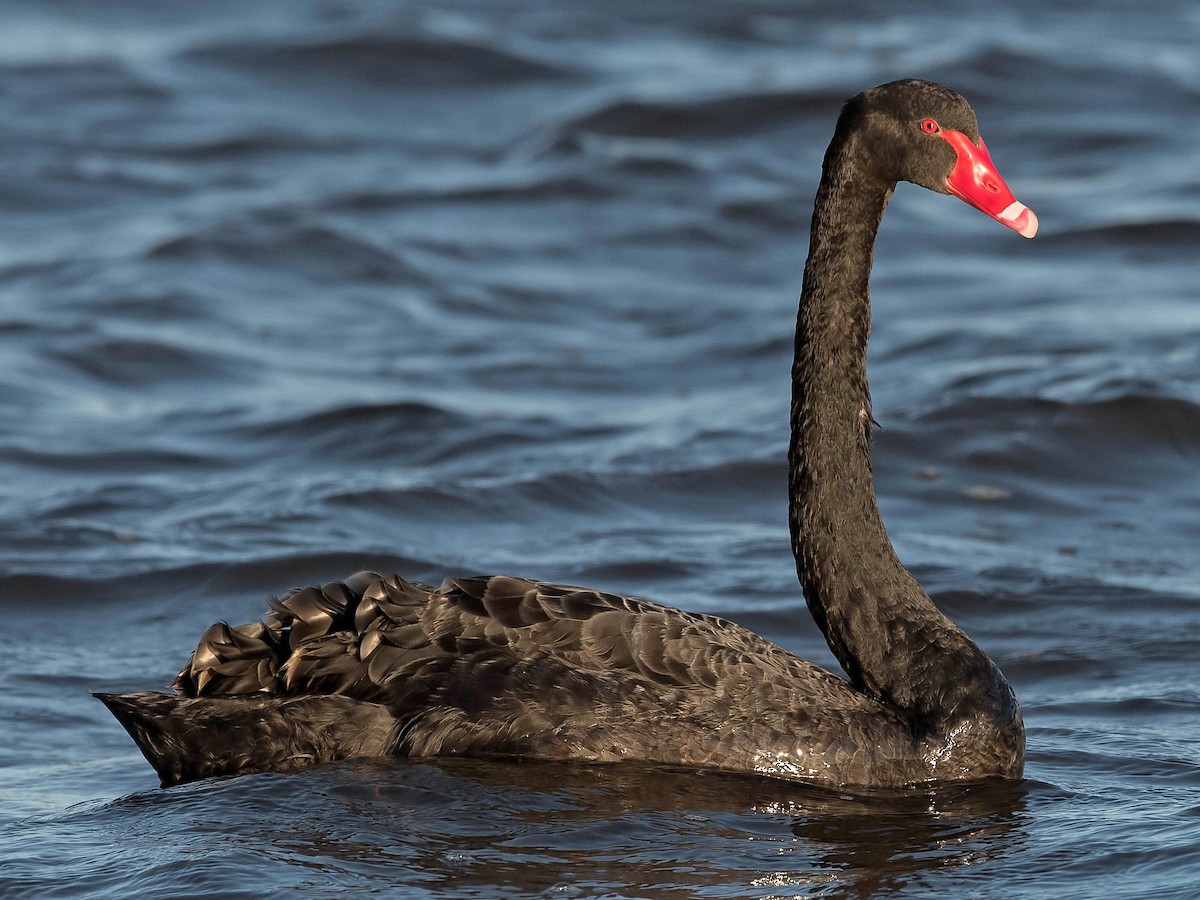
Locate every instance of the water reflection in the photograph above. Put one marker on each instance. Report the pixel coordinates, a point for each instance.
(457, 827)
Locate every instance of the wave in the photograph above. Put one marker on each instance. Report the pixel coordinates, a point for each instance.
(117, 462)
(161, 586)
(785, 214)
(1121, 441)
(84, 79)
(235, 146)
(525, 190)
(731, 114)
(1126, 418)
(1164, 234)
(383, 60)
(132, 362)
(318, 252)
(408, 431)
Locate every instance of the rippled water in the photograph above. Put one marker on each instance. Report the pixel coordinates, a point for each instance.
(292, 289)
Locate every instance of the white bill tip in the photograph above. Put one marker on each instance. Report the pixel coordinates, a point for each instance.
(1020, 218)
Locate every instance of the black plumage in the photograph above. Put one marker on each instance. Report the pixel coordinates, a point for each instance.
(503, 666)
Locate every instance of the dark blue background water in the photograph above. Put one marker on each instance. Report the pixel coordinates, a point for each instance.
(292, 289)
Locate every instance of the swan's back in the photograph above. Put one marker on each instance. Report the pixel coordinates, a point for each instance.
(506, 666)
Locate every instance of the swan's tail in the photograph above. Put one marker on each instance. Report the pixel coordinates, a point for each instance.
(188, 738)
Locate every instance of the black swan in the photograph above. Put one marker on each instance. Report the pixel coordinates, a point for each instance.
(500, 666)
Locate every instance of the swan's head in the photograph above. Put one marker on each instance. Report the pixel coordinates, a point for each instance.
(927, 134)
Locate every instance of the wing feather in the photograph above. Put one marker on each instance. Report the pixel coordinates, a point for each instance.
(506, 665)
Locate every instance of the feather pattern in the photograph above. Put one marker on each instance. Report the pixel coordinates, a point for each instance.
(506, 666)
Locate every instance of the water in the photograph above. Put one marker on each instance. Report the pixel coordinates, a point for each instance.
(289, 290)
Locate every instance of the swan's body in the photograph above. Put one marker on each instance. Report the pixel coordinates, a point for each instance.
(507, 667)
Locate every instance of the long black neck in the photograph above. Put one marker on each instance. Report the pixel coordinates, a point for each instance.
(890, 638)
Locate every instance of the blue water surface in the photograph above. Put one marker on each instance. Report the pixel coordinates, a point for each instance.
(288, 290)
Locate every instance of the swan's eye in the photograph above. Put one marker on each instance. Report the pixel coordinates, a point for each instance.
(929, 126)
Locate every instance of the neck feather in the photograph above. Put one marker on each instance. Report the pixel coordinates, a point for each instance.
(890, 638)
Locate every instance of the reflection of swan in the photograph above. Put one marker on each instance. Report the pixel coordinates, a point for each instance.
(503, 666)
(613, 826)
